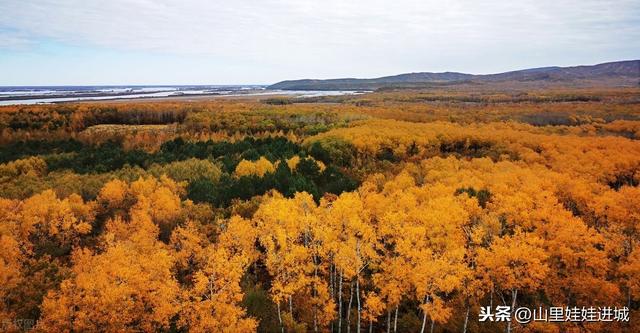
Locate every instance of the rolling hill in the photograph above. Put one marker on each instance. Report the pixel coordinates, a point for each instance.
(611, 74)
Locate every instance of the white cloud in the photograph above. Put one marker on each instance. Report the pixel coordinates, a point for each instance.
(11, 40)
(336, 36)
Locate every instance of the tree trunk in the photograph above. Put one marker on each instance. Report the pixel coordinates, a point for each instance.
(424, 321)
(433, 324)
(358, 302)
(332, 281)
(395, 320)
(332, 288)
(291, 305)
(424, 316)
(349, 309)
(340, 303)
(315, 294)
(280, 318)
(388, 320)
(466, 318)
(370, 325)
(514, 295)
(491, 299)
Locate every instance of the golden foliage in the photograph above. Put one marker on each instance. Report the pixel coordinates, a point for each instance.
(457, 208)
(258, 168)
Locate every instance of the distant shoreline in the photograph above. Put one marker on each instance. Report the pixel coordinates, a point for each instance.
(164, 95)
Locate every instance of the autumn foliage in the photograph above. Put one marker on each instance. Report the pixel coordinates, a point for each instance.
(390, 212)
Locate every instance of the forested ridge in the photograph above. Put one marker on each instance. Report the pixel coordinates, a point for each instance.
(395, 211)
(620, 74)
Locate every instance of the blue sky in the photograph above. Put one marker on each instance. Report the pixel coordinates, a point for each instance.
(74, 42)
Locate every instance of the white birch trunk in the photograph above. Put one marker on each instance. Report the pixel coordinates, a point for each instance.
(395, 320)
(514, 295)
(349, 308)
(280, 318)
(466, 319)
(424, 316)
(358, 302)
(340, 303)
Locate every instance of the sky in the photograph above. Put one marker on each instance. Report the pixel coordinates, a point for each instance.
(90, 42)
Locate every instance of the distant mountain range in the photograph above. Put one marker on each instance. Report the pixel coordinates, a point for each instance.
(611, 74)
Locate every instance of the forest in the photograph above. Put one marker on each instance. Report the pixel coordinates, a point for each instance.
(392, 211)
